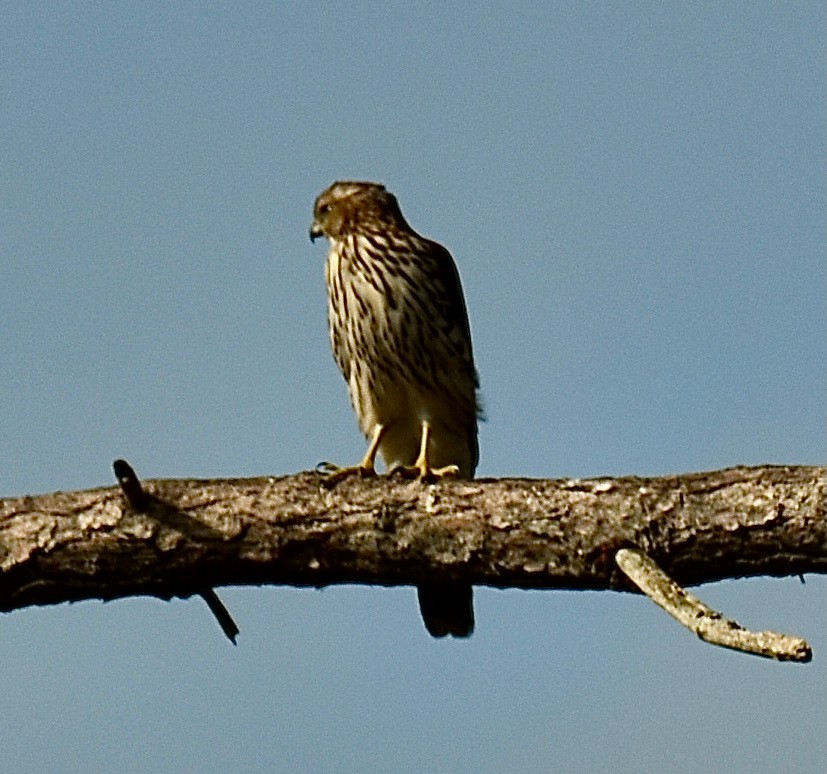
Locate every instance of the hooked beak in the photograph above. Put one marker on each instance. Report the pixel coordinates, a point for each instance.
(315, 231)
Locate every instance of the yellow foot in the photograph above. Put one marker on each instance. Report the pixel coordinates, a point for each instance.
(425, 472)
(422, 469)
(333, 474)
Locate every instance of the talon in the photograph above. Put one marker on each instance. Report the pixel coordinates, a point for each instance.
(365, 469)
(424, 473)
(333, 474)
(421, 469)
(449, 471)
(434, 474)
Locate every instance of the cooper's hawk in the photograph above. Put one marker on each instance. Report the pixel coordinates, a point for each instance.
(400, 334)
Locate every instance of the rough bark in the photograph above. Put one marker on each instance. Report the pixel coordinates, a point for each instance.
(196, 534)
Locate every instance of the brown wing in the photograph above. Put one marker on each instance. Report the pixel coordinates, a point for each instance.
(452, 305)
(451, 312)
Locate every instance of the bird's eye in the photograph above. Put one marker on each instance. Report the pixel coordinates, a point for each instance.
(324, 209)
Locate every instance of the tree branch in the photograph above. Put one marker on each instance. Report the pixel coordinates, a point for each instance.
(708, 624)
(192, 535)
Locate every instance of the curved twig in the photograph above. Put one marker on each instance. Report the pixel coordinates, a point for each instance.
(708, 624)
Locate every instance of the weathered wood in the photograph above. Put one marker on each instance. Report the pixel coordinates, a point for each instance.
(708, 624)
(197, 534)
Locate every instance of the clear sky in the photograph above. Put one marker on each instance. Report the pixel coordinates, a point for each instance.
(635, 196)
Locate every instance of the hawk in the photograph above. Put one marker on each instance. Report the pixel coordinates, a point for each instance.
(400, 335)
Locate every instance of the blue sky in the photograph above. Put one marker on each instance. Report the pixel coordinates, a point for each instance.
(634, 195)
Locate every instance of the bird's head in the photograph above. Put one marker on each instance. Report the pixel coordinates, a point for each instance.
(349, 207)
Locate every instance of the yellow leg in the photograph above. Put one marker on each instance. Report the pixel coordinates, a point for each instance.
(368, 463)
(422, 467)
(367, 467)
